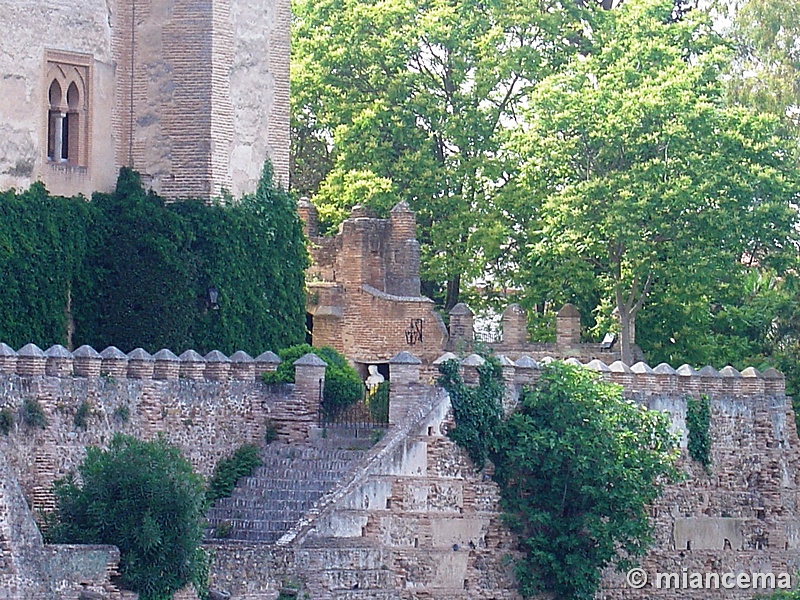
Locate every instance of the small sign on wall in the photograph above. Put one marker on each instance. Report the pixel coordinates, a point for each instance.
(414, 332)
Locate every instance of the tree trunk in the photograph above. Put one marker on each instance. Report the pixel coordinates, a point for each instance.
(627, 335)
(453, 292)
(628, 308)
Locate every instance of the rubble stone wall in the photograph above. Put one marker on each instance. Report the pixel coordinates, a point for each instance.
(207, 418)
(416, 520)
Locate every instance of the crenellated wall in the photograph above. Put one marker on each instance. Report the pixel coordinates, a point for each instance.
(364, 299)
(208, 406)
(417, 521)
(364, 288)
(414, 519)
(513, 336)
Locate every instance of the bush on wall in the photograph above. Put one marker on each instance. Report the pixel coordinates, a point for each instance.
(577, 466)
(343, 386)
(144, 498)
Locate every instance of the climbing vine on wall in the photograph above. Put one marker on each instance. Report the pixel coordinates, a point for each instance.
(477, 410)
(698, 422)
(136, 271)
(555, 459)
(42, 249)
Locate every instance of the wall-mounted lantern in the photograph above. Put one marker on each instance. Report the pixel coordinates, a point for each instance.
(213, 296)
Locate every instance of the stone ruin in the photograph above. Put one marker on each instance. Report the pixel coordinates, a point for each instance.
(406, 518)
(364, 299)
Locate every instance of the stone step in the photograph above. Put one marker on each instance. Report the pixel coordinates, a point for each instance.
(243, 513)
(288, 483)
(301, 471)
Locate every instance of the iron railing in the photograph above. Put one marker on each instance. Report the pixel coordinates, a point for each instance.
(370, 412)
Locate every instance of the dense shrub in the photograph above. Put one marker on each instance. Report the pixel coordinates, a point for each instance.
(228, 471)
(343, 386)
(144, 498)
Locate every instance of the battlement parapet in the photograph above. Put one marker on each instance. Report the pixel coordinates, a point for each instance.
(512, 337)
(57, 361)
(642, 380)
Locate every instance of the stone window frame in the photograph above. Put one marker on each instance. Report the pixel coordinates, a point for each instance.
(71, 73)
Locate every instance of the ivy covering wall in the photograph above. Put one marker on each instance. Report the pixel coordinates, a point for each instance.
(43, 244)
(139, 272)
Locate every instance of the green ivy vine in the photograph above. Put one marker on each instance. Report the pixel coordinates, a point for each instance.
(133, 270)
(698, 422)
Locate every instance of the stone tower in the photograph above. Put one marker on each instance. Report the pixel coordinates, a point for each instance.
(193, 94)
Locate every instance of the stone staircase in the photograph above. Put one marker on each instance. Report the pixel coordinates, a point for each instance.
(289, 481)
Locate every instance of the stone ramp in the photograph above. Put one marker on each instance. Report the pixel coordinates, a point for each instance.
(289, 482)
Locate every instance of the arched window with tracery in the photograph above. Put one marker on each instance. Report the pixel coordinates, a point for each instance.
(68, 109)
(55, 135)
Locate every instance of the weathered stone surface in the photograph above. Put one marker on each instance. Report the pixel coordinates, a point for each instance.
(114, 363)
(193, 365)
(218, 366)
(31, 360)
(444, 358)
(267, 362)
(242, 366)
(59, 361)
(167, 365)
(141, 364)
(415, 519)
(8, 360)
(195, 95)
(86, 362)
(29, 569)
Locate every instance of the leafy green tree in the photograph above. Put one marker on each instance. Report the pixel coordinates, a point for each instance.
(420, 94)
(766, 73)
(477, 410)
(578, 467)
(642, 183)
(794, 595)
(144, 498)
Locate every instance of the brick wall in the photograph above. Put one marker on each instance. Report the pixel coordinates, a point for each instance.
(209, 99)
(364, 289)
(206, 412)
(417, 521)
(364, 296)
